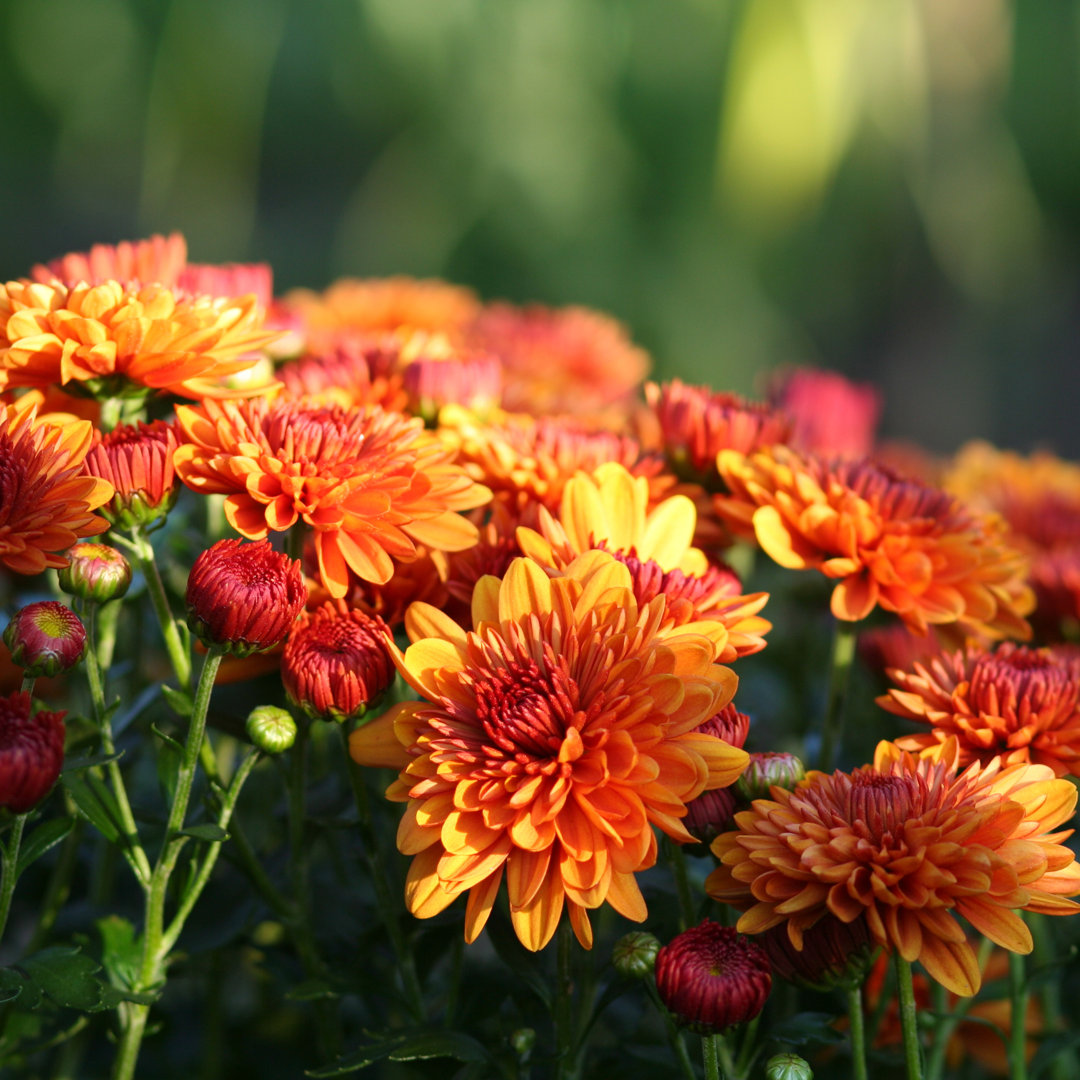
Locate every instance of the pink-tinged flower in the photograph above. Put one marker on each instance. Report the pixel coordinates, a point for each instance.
(45, 638)
(472, 380)
(95, 572)
(244, 598)
(160, 260)
(711, 977)
(895, 646)
(31, 752)
(1014, 703)
(349, 372)
(830, 414)
(336, 663)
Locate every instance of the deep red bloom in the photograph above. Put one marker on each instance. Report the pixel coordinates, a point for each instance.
(834, 953)
(711, 977)
(712, 812)
(45, 638)
(336, 663)
(244, 598)
(31, 752)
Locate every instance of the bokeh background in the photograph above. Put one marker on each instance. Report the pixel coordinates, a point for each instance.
(890, 189)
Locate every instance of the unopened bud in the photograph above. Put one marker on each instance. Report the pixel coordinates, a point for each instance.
(766, 771)
(788, 1067)
(522, 1041)
(45, 638)
(634, 954)
(95, 572)
(271, 729)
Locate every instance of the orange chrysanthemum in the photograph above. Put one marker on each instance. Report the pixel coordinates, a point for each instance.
(552, 737)
(159, 260)
(1019, 704)
(889, 542)
(905, 845)
(45, 500)
(120, 340)
(609, 508)
(349, 373)
(371, 484)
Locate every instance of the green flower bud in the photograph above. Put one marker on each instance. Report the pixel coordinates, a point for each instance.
(766, 771)
(271, 729)
(634, 954)
(522, 1041)
(788, 1067)
(95, 572)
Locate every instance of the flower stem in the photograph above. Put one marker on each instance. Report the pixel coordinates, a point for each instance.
(1018, 1004)
(675, 1039)
(179, 656)
(9, 865)
(908, 1019)
(710, 1053)
(677, 861)
(565, 1064)
(27, 686)
(845, 634)
(858, 1032)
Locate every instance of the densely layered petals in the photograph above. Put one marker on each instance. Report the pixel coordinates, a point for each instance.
(550, 740)
(372, 485)
(888, 542)
(1019, 704)
(829, 413)
(46, 502)
(905, 845)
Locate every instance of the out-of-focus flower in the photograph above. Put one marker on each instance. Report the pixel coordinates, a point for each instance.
(372, 485)
(905, 845)
(45, 638)
(31, 752)
(159, 260)
(609, 509)
(888, 541)
(472, 380)
(830, 414)
(634, 954)
(895, 646)
(137, 460)
(767, 770)
(711, 977)
(115, 340)
(271, 729)
(565, 361)
(349, 373)
(336, 663)
(696, 423)
(244, 598)
(834, 953)
(550, 741)
(45, 502)
(95, 572)
(1019, 704)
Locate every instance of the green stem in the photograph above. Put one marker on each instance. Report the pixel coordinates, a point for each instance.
(179, 656)
(710, 1052)
(27, 686)
(908, 1019)
(858, 1033)
(9, 866)
(845, 634)
(59, 886)
(675, 1039)
(1018, 1003)
(687, 908)
(112, 409)
(748, 1051)
(565, 1067)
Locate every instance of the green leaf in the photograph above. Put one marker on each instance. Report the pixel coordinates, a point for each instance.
(135, 709)
(41, 840)
(806, 1029)
(1050, 1050)
(518, 959)
(360, 1058)
(312, 990)
(66, 977)
(169, 755)
(121, 950)
(179, 700)
(95, 803)
(440, 1044)
(89, 761)
(212, 834)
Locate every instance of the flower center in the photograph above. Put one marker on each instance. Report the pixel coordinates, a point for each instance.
(526, 711)
(895, 497)
(880, 802)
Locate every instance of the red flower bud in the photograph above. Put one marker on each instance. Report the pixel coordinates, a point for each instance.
(244, 598)
(31, 753)
(45, 638)
(834, 953)
(711, 977)
(95, 572)
(336, 663)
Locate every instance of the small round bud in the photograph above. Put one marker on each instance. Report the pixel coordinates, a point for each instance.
(95, 572)
(271, 729)
(634, 954)
(766, 771)
(522, 1041)
(45, 638)
(31, 753)
(788, 1067)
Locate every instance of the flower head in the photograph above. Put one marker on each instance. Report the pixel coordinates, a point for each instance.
(160, 260)
(336, 663)
(834, 953)
(137, 459)
(347, 373)
(45, 502)
(551, 739)
(31, 752)
(271, 729)
(95, 572)
(712, 811)
(1012, 702)
(889, 542)
(244, 598)
(905, 845)
(830, 414)
(372, 485)
(45, 638)
(712, 978)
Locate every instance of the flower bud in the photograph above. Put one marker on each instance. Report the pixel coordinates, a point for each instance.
(634, 954)
(243, 598)
(522, 1041)
(833, 954)
(766, 771)
(95, 572)
(788, 1067)
(31, 753)
(271, 729)
(710, 814)
(711, 977)
(45, 638)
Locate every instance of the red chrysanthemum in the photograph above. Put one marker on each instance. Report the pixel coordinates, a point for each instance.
(45, 638)
(31, 752)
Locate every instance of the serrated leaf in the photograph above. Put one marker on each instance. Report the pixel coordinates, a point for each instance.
(212, 834)
(440, 1044)
(41, 840)
(121, 950)
(358, 1059)
(65, 976)
(89, 761)
(101, 813)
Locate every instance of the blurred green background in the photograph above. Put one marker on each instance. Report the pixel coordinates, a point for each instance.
(889, 188)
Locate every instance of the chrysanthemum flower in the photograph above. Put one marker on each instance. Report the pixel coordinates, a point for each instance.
(45, 501)
(1019, 704)
(562, 360)
(137, 459)
(31, 752)
(905, 845)
(829, 413)
(696, 423)
(551, 738)
(159, 260)
(834, 953)
(349, 372)
(95, 572)
(888, 541)
(371, 484)
(121, 340)
(45, 638)
(712, 811)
